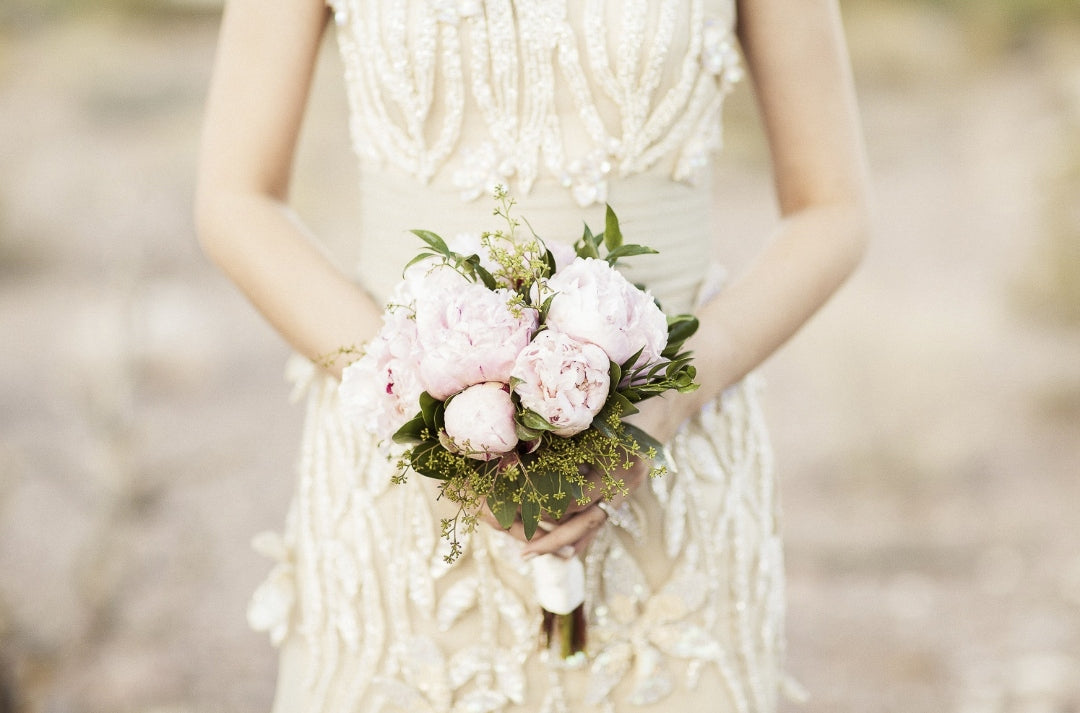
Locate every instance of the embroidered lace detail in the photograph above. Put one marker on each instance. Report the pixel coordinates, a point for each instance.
(360, 577)
(473, 92)
(647, 90)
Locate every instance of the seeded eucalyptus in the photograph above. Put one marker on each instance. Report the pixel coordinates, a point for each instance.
(572, 443)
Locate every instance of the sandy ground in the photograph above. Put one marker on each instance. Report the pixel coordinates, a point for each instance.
(927, 422)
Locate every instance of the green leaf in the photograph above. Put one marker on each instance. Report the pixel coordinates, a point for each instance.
(681, 327)
(586, 247)
(412, 431)
(431, 409)
(614, 376)
(685, 383)
(424, 459)
(419, 258)
(656, 369)
(612, 233)
(469, 266)
(557, 490)
(601, 425)
(544, 309)
(646, 442)
(549, 260)
(530, 517)
(501, 500)
(628, 251)
(674, 367)
(485, 277)
(533, 420)
(433, 240)
(626, 365)
(674, 350)
(524, 433)
(504, 510)
(620, 402)
(574, 493)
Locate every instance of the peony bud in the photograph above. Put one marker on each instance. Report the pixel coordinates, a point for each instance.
(480, 421)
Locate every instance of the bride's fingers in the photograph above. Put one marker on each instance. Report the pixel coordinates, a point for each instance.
(575, 533)
(583, 544)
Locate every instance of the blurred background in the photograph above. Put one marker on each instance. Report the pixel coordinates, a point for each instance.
(927, 422)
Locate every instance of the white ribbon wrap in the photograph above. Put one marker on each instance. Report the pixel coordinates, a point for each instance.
(559, 583)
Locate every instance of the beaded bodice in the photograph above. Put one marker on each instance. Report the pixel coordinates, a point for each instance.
(475, 92)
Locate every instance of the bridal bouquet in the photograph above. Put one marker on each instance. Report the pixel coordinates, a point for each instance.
(506, 365)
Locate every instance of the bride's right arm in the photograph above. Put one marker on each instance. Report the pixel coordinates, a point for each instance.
(262, 73)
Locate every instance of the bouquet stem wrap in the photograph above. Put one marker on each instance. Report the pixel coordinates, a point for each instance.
(560, 590)
(568, 630)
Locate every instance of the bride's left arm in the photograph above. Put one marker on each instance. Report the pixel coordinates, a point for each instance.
(798, 60)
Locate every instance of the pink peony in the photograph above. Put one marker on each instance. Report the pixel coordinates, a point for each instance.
(563, 380)
(467, 336)
(595, 303)
(480, 421)
(381, 390)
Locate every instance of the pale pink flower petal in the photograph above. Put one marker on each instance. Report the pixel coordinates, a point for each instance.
(593, 302)
(469, 335)
(480, 421)
(562, 379)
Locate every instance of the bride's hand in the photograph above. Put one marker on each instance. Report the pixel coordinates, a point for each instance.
(571, 534)
(578, 528)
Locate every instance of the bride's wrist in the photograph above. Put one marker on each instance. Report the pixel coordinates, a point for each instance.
(661, 415)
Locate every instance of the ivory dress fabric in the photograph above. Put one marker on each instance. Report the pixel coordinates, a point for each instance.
(570, 103)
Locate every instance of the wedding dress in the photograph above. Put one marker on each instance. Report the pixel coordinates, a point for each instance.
(570, 103)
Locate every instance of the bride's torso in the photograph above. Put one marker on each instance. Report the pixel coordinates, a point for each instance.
(570, 103)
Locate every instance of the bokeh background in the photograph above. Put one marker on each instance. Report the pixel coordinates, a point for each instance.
(927, 421)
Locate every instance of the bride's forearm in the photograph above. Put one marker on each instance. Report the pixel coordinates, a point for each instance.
(812, 253)
(266, 57)
(263, 248)
(803, 84)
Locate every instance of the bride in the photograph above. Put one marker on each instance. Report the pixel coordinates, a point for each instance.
(571, 104)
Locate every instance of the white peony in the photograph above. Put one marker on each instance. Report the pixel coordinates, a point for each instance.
(594, 303)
